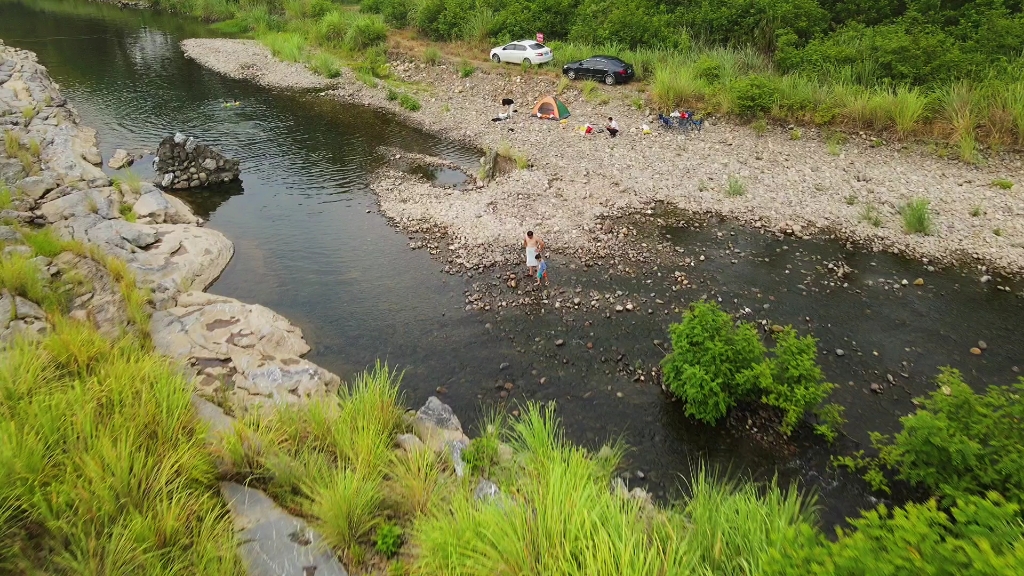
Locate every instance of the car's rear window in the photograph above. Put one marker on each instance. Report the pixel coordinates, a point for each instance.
(536, 46)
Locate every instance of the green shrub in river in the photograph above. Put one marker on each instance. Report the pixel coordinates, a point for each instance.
(960, 443)
(980, 535)
(716, 363)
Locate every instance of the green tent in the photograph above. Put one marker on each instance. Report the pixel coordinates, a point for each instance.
(551, 107)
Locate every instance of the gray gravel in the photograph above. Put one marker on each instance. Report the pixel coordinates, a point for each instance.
(576, 182)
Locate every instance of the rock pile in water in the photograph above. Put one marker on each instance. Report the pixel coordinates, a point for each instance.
(182, 162)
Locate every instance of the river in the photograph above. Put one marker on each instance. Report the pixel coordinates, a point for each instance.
(310, 245)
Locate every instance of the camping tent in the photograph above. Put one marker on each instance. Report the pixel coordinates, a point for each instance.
(550, 107)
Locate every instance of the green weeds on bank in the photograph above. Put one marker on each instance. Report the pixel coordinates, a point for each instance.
(103, 467)
(917, 216)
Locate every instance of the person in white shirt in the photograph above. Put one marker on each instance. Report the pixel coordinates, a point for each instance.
(612, 127)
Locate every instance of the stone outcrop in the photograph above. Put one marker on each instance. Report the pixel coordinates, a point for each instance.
(275, 542)
(20, 318)
(182, 162)
(162, 208)
(244, 351)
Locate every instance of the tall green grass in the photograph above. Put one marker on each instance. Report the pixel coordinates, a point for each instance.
(917, 216)
(287, 46)
(103, 464)
(558, 516)
(328, 458)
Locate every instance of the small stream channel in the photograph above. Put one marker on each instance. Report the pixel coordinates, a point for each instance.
(310, 245)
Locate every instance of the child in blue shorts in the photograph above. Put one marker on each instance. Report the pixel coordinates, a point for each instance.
(542, 270)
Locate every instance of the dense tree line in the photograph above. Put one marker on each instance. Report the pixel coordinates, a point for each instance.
(921, 42)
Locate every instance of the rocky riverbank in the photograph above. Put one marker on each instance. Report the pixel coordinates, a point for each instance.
(577, 183)
(242, 356)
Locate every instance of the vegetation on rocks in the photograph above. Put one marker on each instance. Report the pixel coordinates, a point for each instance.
(716, 364)
(103, 463)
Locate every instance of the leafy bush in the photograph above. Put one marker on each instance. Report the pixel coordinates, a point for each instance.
(466, 69)
(388, 540)
(714, 364)
(365, 32)
(979, 535)
(397, 13)
(959, 443)
(754, 95)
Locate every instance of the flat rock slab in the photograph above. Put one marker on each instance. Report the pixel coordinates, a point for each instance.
(246, 350)
(275, 543)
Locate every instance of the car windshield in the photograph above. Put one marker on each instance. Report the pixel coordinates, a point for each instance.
(536, 46)
(614, 62)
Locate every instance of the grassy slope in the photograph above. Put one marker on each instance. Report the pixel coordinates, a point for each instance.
(103, 464)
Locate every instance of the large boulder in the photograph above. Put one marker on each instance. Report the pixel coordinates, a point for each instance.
(438, 426)
(102, 202)
(182, 162)
(163, 208)
(246, 351)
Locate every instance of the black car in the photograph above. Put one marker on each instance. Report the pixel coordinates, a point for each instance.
(609, 69)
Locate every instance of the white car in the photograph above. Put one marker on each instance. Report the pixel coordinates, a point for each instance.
(522, 52)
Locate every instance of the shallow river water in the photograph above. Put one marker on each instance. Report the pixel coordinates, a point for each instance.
(310, 244)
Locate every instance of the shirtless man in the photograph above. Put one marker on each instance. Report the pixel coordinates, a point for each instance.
(533, 245)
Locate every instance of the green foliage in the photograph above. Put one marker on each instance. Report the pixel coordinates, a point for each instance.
(869, 213)
(328, 457)
(759, 126)
(127, 212)
(132, 180)
(388, 540)
(325, 65)
(44, 242)
(959, 443)
(1003, 183)
(287, 46)
(715, 363)
(408, 102)
(466, 69)
(979, 535)
(556, 516)
(397, 13)
(735, 186)
(365, 32)
(797, 384)
(795, 134)
(6, 199)
(754, 95)
(20, 276)
(103, 464)
(432, 56)
(12, 143)
(917, 216)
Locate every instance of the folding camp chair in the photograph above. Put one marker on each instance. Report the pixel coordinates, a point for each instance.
(666, 121)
